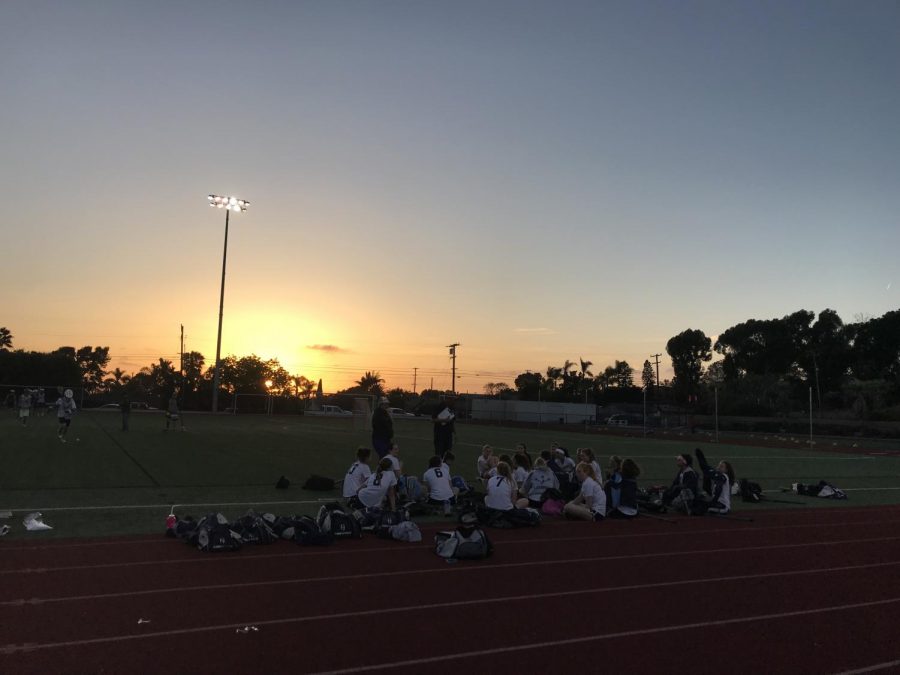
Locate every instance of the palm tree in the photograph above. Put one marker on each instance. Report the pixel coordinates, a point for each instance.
(118, 380)
(585, 376)
(371, 383)
(6, 338)
(553, 374)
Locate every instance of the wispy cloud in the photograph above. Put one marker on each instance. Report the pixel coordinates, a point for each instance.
(326, 348)
(535, 331)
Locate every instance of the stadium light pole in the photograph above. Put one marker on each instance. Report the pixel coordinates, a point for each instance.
(229, 204)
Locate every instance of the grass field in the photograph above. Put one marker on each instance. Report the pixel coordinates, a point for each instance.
(104, 481)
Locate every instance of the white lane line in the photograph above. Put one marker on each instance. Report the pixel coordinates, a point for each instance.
(14, 648)
(607, 636)
(440, 569)
(111, 507)
(872, 669)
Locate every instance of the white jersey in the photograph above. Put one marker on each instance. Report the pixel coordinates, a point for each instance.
(483, 465)
(437, 479)
(567, 464)
(64, 407)
(538, 481)
(355, 478)
(396, 462)
(520, 474)
(725, 497)
(376, 488)
(597, 472)
(593, 490)
(499, 494)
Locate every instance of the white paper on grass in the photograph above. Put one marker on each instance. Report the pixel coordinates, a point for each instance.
(34, 522)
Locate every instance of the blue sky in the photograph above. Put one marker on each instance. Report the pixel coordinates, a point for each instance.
(538, 181)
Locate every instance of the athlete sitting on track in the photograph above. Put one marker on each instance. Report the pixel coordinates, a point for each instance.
(623, 502)
(538, 481)
(587, 455)
(483, 464)
(684, 488)
(501, 489)
(356, 476)
(717, 482)
(437, 484)
(590, 504)
(378, 486)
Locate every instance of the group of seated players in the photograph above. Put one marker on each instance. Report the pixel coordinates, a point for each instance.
(579, 488)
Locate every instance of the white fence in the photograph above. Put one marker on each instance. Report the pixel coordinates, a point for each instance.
(538, 412)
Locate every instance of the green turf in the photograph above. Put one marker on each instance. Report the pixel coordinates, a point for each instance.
(229, 463)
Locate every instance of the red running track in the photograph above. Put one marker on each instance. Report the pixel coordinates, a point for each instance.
(805, 591)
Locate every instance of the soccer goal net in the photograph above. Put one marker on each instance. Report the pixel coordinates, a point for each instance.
(362, 412)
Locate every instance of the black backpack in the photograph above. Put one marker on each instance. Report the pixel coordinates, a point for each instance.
(386, 520)
(340, 524)
(308, 533)
(750, 492)
(214, 534)
(523, 517)
(319, 483)
(254, 529)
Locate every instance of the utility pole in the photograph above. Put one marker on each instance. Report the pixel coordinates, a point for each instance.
(181, 371)
(453, 359)
(656, 356)
(415, 372)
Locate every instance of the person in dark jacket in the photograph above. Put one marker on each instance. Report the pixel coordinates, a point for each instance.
(622, 500)
(685, 482)
(717, 483)
(444, 428)
(382, 429)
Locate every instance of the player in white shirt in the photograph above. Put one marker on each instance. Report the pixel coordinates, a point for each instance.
(523, 467)
(356, 475)
(590, 504)
(379, 485)
(587, 455)
(483, 464)
(501, 489)
(65, 408)
(437, 484)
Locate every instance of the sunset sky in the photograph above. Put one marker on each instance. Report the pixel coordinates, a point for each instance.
(538, 181)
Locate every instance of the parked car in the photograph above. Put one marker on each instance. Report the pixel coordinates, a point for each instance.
(624, 421)
(330, 411)
(399, 412)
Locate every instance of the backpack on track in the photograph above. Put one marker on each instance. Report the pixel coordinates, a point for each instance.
(339, 523)
(214, 534)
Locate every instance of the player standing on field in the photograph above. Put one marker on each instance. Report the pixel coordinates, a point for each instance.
(65, 408)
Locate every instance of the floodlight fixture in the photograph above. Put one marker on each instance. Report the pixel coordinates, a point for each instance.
(229, 204)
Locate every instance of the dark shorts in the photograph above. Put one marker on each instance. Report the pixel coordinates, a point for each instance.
(65, 420)
(598, 517)
(382, 446)
(438, 502)
(535, 504)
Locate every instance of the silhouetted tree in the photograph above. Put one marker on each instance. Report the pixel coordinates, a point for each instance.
(688, 350)
(6, 338)
(648, 379)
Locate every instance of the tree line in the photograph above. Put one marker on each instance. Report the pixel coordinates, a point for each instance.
(766, 366)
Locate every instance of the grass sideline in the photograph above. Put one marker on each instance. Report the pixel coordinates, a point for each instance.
(107, 482)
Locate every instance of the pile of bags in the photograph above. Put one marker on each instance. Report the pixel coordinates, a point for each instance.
(215, 533)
